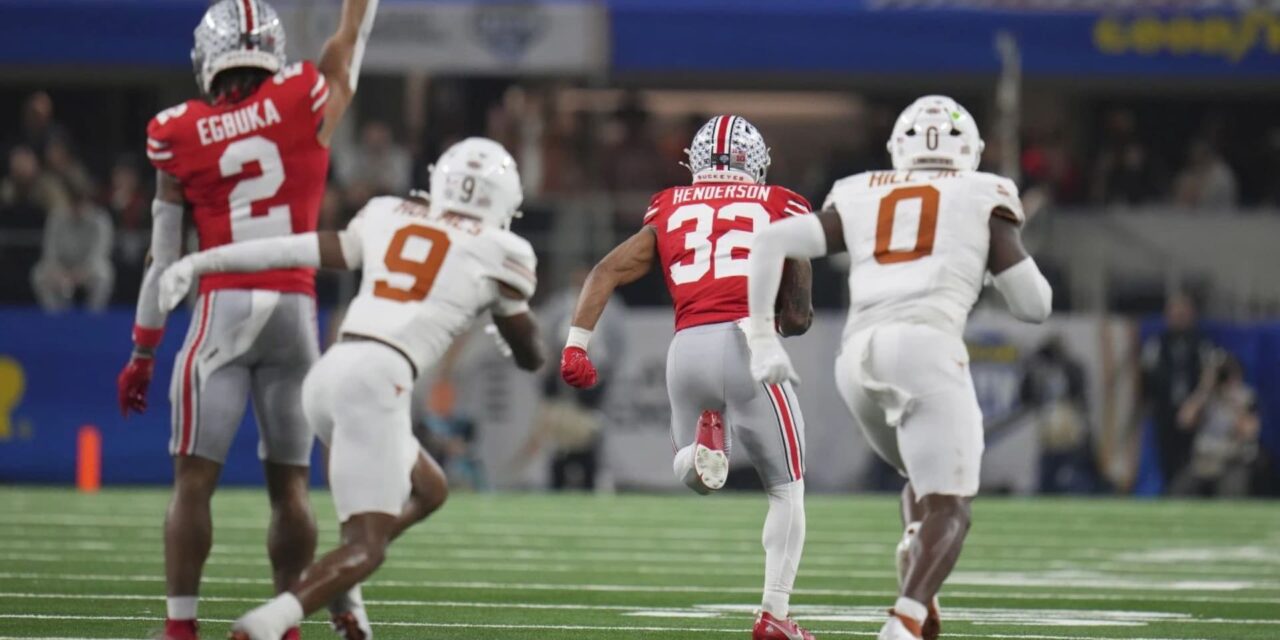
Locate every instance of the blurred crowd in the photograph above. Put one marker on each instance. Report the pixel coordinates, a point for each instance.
(72, 235)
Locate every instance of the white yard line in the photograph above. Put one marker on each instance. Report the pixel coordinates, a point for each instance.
(1034, 576)
(991, 538)
(852, 557)
(834, 566)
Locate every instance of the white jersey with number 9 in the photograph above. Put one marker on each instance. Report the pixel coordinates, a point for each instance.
(918, 242)
(427, 276)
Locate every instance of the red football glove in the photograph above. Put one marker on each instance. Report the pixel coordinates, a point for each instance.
(576, 368)
(133, 382)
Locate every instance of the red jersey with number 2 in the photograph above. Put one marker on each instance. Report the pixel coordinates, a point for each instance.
(704, 239)
(250, 169)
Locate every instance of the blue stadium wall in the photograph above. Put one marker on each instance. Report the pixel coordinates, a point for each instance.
(58, 373)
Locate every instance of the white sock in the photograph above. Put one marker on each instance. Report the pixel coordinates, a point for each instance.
(274, 617)
(181, 607)
(783, 540)
(910, 608)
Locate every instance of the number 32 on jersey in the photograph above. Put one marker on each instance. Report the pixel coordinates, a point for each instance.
(718, 255)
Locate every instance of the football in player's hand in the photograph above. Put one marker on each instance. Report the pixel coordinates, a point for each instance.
(791, 306)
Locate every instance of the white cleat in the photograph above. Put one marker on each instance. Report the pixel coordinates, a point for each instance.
(899, 628)
(709, 459)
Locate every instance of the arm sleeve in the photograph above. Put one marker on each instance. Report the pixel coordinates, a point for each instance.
(301, 250)
(166, 245)
(1026, 291)
(796, 237)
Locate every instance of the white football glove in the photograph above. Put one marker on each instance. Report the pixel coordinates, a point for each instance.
(770, 363)
(498, 341)
(175, 282)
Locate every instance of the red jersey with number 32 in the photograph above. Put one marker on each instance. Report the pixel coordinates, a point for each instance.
(250, 169)
(704, 239)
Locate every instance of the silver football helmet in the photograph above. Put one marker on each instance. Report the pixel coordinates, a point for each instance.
(728, 148)
(936, 132)
(237, 33)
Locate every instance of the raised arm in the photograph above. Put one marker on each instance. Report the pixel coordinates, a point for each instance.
(149, 319)
(340, 61)
(1016, 276)
(627, 263)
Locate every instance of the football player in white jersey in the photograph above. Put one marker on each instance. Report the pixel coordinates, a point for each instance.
(922, 240)
(429, 270)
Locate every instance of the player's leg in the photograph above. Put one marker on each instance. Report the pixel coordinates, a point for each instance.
(430, 489)
(941, 441)
(284, 352)
(912, 514)
(767, 421)
(208, 397)
(770, 428)
(701, 444)
(919, 375)
(371, 472)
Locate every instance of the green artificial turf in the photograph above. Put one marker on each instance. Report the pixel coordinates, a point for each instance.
(666, 567)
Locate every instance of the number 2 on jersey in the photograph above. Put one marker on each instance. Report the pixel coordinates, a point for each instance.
(705, 252)
(925, 233)
(244, 225)
(424, 270)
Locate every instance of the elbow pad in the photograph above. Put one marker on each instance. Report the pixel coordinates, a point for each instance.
(1025, 290)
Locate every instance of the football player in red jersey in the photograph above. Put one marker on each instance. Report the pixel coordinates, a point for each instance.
(701, 236)
(249, 161)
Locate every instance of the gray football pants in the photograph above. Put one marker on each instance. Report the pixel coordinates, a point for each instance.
(708, 368)
(244, 342)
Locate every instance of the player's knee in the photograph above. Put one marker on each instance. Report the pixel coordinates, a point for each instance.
(954, 509)
(428, 499)
(195, 479)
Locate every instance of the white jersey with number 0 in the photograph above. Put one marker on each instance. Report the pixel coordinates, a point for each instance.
(918, 241)
(426, 278)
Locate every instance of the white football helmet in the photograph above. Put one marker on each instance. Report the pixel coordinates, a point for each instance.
(237, 33)
(477, 178)
(728, 148)
(935, 132)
